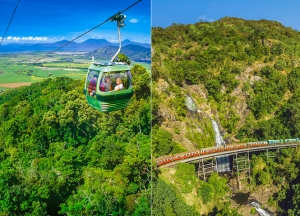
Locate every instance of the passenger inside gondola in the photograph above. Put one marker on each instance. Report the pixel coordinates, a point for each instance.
(119, 85)
(92, 86)
(107, 85)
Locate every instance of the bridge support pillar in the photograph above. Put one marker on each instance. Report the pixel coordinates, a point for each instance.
(206, 167)
(241, 162)
(271, 153)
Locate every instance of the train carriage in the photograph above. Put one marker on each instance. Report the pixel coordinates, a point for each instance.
(276, 141)
(291, 140)
(215, 149)
(257, 144)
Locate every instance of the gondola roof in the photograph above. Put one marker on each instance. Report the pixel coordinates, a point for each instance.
(107, 67)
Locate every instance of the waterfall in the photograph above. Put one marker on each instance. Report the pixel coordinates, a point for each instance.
(260, 211)
(219, 139)
(223, 163)
(190, 104)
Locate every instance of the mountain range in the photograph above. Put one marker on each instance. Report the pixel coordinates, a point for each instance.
(85, 46)
(134, 52)
(99, 48)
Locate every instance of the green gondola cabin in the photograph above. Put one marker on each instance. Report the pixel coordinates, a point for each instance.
(100, 85)
(108, 87)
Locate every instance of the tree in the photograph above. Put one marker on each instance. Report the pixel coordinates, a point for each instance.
(162, 143)
(141, 82)
(56, 151)
(166, 202)
(123, 58)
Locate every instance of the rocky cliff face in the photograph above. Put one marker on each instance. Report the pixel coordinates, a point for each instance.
(206, 108)
(187, 130)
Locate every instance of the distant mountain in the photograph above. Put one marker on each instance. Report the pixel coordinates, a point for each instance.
(128, 42)
(87, 46)
(137, 52)
(94, 43)
(106, 52)
(72, 45)
(134, 52)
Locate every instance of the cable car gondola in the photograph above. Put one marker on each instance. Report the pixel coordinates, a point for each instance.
(108, 86)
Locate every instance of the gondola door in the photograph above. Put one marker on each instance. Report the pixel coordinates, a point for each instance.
(92, 83)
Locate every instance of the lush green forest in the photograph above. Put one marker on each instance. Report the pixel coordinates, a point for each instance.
(245, 75)
(59, 156)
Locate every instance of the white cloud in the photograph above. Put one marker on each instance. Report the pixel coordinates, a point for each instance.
(133, 21)
(113, 40)
(16, 38)
(30, 38)
(204, 18)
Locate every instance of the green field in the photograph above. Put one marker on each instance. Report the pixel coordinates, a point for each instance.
(4, 88)
(16, 67)
(67, 65)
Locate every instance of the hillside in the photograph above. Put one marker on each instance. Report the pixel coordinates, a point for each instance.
(61, 157)
(242, 74)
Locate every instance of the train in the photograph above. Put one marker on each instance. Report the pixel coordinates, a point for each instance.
(181, 156)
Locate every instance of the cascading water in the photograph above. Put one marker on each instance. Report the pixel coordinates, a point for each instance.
(219, 138)
(190, 104)
(223, 164)
(259, 210)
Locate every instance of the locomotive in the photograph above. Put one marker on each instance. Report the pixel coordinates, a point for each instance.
(181, 156)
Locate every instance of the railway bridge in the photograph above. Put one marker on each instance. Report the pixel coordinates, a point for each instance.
(207, 163)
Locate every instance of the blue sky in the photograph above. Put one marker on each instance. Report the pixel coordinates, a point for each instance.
(46, 21)
(166, 12)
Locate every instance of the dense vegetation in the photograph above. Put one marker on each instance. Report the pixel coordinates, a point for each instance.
(210, 196)
(59, 156)
(255, 62)
(244, 74)
(283, 172)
